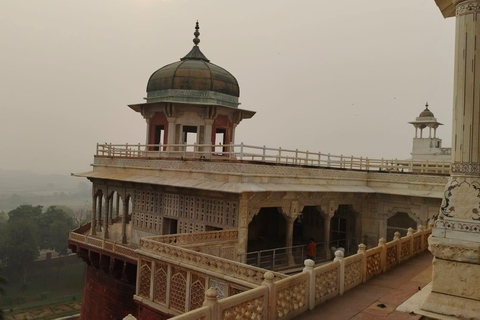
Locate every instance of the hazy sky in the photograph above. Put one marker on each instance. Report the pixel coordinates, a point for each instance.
(342, 77)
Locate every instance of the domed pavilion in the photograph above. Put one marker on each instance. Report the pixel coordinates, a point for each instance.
(192, 102)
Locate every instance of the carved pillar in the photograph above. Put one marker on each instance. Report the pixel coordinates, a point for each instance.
(100, 205)
(207, 139)
(110, 204)
(107, 217)
(171, 130)
(290, 214)
(455, 239)
(117, 205)
(243, 221)
(124, 220)
(328, 212)
(94, 215)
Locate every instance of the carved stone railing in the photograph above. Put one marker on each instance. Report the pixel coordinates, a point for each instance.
(222, 243)
(198, 237)
(103, 244)
(289, 297)
(245, 152)
(217, 265)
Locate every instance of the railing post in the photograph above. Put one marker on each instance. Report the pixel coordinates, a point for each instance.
(367, 164)
(309, 264)
(306, 160)
(328, 160)
(211, 301)
(397, 236)
(341, 161)
(258, 259)
(264, 152)
(410, 234)
(361, 250)
(241, 151)
(270, 284)
(421, 229)
(319, 158)
(341, 277)
(383, 254)
(351, 162)
(279, 160)
(273, 259)
(296, 156)
(361, 163)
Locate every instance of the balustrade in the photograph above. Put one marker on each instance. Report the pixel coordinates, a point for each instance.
(288, 297)
(271, 155)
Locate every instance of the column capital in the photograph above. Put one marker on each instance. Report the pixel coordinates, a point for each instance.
(466, 6)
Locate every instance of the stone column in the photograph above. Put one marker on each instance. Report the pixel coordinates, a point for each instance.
(110, 204)
(100, 205)
(124, 220)
(290, 214)
(171, 130)
(94, 215)
(117, 205)
(243, 221)
(455, 239)
(107, 217)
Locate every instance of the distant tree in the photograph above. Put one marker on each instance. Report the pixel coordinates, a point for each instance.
(29, 229)
(26, 212)
(20, 245)
(55, 225)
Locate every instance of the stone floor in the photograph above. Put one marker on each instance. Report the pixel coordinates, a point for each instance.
(379, 297)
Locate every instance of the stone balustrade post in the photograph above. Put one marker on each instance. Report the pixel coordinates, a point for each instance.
(361, 250)
(383, 255)
(211, 301)
(421, 229)
(270, 284)
(396, 237)
(309, 264)
(341, 277)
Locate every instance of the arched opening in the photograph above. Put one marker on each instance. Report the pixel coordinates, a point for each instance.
(267, 230)
(400, 222)
(342, 228)
(309, 224)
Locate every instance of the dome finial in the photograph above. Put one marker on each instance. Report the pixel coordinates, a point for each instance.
(196, 34)
(426, 105)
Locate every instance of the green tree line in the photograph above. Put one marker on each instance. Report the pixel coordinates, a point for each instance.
(30, 229)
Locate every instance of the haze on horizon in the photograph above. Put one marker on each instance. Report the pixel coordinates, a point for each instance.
(343, 77)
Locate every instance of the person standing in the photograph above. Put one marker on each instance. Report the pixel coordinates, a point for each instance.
(311, 248)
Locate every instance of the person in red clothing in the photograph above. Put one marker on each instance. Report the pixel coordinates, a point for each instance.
(311, 248)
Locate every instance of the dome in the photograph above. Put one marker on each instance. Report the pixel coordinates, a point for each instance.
(194, 74)
(426, 113)
(193, 79)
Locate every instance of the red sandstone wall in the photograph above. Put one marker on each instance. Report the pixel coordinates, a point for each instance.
(106, 298)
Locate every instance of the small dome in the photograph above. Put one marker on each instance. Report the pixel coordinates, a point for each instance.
(194, 74)
(426, 113)
(194, 79)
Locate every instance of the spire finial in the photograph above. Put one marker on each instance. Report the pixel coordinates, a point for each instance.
(196, 34)
(426, 105)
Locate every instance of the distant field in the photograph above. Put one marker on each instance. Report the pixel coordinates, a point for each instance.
(54, 287)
